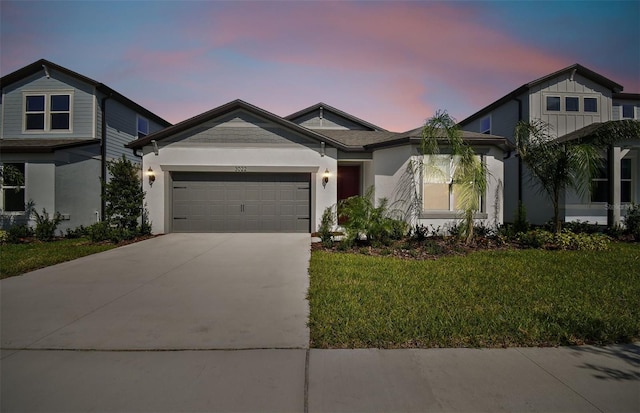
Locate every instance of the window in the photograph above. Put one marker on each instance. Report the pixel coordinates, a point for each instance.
(553, 103)
(628, 111)
(485, 125)
(143, 127)
(590, 105)
(13, 188)
(440, 192)
(600, 185)
(571, 104)
(47, 112)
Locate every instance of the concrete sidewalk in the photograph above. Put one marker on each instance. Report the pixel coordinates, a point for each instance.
(571, 379)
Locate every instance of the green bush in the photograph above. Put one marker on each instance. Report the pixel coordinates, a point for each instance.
(520, 223)
(78, 232)
(17, 233)
(581, 227)
(45, 226)
(632, 221)
(4, 236)
(100, 231)
(326, 226)
(565, 240)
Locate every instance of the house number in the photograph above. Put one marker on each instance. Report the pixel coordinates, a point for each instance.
(241, 169)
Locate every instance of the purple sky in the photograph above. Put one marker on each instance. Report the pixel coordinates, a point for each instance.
(390, 63)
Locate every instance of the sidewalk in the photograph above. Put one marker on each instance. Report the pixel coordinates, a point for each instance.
(570, 379)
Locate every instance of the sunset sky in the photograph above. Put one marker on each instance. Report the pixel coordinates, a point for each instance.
(390, 63)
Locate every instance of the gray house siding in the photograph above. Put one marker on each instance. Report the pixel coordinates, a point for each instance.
(328, 120)
(82, 103)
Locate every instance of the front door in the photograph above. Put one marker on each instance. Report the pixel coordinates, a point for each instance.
(348, 185)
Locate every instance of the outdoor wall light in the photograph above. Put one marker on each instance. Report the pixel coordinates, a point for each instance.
(325, 177)
(151, 175)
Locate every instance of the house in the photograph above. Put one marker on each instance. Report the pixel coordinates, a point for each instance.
(59, 128)
(575, 102)
(240, 168)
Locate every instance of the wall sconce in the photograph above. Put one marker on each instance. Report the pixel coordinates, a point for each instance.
(325, 177)
(151, 175)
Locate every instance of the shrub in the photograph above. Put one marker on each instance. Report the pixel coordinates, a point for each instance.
(4, 236)
(520, 223)
(123, 194)
(581, 227)
(326, 226)
(565, 240)
(17, 233)
(99, 232)
(632, 221)
(45, 226)
(78, 232)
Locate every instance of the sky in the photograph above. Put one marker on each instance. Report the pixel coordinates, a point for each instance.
(391, 63)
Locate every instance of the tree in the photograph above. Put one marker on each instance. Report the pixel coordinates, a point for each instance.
(123, 194)
(556, 165)
(470, 175)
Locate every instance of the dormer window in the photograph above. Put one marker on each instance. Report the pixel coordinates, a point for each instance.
(47, 112)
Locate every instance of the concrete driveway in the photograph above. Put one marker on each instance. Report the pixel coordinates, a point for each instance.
(177, 291)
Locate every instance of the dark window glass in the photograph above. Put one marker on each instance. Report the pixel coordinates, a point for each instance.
(14, 199)
(553, 103)
(625, 168)
(35, 103)
(485, 125)
(59, 103)
(600, 191)
(572, 104)
(625, 191)
(59, 121)
(143, 127)
(627, 111)
(590, 104)
(35, 121)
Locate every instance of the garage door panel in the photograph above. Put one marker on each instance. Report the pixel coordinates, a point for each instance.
(241, 202)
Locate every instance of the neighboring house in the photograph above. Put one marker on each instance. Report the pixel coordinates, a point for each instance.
(59, 128)
(574, 101)
(240, 168)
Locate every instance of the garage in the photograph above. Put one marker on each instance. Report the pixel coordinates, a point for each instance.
(240, 202)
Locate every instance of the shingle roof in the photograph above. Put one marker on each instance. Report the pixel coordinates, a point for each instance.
(34, 145)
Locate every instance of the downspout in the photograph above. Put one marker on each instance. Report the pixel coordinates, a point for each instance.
(103, 156)
(519, 158)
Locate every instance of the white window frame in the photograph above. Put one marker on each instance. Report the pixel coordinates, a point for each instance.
(47, 111)
(485, 130)
(4, 188)
(138, 118)
(447, 178)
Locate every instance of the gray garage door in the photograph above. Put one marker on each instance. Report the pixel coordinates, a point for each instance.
(241, 202)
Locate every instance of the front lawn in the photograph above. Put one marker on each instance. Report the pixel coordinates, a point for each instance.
(484, 299)
(16, 259)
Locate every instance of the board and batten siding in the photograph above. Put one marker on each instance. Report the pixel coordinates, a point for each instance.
(328, 120)
(563, 122)
(82, 113)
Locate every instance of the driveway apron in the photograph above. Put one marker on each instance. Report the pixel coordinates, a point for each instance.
(177, 291)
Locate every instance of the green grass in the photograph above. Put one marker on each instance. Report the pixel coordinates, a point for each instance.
(484, 299)
(16, 259)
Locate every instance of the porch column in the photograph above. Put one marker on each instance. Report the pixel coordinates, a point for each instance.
(613, 207)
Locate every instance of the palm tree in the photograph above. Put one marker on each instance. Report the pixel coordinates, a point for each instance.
(470, 175)
(555, 165)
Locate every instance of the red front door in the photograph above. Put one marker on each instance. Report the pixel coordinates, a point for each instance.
(348, 181)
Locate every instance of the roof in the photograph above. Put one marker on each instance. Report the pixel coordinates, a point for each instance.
(33, 145)
(415, 136)
(39, 65)
(605, 132)
(224, 109)
(337, 112)
(627, 96)
(588, 73)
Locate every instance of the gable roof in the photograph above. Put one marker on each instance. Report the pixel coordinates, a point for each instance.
(41, 64)
(415, 136)
(227, 108)
(574, 68)
(339, 112)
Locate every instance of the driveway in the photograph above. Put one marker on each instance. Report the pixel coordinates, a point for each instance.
(174, 292)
